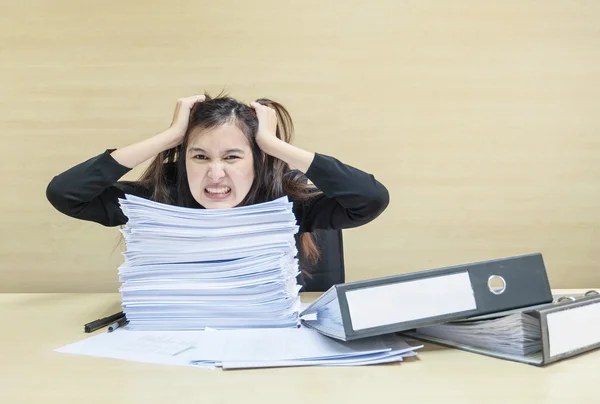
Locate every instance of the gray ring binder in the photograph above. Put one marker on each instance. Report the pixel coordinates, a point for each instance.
(559, 332)
(469, 292)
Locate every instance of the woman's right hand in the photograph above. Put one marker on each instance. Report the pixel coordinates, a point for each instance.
(134, 154)
(181, 116)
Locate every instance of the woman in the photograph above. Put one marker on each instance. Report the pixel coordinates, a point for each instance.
(220, 153)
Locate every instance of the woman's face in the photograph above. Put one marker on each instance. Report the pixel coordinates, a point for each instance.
(219, 166)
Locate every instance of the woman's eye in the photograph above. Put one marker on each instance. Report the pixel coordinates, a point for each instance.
(231, 157)
(200, 157)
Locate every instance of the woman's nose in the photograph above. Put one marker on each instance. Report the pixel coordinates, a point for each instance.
(216, 172)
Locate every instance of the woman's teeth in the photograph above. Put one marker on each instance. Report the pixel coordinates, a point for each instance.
(218, 190)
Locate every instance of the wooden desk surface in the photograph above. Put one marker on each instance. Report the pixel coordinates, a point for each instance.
(35, 324)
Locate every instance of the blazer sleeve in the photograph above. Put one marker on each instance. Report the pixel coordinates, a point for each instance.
(350, 197)
(91, 190)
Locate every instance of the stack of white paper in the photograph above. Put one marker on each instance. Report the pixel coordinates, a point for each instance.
(187, 269)
(243, 348)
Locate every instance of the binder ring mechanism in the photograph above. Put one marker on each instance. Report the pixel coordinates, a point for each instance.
(573, 298)
(496, 284)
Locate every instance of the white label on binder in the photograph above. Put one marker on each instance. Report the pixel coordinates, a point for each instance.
(571, 329)
(412, 300)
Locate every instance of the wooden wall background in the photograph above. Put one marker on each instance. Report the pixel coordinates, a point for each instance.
(481, 119)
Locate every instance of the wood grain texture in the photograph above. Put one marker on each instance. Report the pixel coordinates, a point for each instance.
(32, 373)
(480, 118)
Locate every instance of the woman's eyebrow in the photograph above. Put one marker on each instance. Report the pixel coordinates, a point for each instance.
(196, 149)
(201, 150)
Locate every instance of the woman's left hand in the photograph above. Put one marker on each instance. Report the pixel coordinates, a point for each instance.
(267, 125)
(270, 144)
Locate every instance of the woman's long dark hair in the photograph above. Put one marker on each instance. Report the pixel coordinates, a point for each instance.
(273, 178)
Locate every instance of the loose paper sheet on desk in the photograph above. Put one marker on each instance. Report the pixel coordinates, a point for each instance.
(242, 348)
(187, 269)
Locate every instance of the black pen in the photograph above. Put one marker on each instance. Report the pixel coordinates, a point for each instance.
(102, 322)
(117, 324)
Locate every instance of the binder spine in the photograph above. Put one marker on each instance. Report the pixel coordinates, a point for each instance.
(569, 329)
